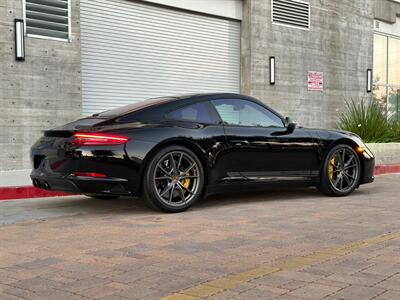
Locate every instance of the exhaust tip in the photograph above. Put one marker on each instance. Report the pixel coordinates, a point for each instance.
(46, 185)
(35, 183)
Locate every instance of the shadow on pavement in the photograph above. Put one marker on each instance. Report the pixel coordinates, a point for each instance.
(44, 208)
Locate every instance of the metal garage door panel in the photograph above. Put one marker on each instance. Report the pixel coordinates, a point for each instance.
(133, 51)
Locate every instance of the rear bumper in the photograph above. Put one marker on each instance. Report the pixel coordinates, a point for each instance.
(56, 164)
(81, 184)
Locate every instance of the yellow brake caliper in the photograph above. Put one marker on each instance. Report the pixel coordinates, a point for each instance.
(330, 168)
(186, 183)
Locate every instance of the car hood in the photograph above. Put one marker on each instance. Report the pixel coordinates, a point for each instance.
(333, 134)
(337, 131)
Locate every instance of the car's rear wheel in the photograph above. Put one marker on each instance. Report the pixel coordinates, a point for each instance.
(341, 171)
(174, 179)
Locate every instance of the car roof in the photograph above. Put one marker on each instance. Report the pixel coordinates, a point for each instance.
(156, 108)
(153, 102)
(204, 96)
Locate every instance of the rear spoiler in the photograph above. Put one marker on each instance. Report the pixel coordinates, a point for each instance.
(58, 133)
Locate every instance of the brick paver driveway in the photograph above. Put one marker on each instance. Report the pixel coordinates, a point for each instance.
(284, 245)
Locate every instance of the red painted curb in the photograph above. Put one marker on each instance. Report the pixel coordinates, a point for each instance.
(21, 192)
(27, 192)
(385, 169)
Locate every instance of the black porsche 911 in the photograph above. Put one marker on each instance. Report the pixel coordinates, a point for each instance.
(174, 150)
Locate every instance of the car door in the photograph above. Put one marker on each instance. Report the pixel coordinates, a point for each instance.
(260, 147)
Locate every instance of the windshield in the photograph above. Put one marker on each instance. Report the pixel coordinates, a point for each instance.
(133, 107)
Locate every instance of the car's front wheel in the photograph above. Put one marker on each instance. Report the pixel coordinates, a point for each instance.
(174, 179)
(341, 171)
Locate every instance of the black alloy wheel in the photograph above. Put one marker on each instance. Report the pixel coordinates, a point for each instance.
(174, 179)
(341, 171)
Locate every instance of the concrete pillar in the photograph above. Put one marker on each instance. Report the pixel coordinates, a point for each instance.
(41, 92)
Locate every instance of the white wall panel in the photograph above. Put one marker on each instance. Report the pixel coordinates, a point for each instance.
(132, 51)
(224, 8)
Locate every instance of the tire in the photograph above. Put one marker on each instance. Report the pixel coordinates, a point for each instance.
(338, 177)
(101, 197)
(173, 179)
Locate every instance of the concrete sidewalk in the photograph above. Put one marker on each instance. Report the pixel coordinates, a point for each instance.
(284, 245)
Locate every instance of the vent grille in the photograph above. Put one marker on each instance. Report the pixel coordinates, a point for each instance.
(291, 13)
(49, 18)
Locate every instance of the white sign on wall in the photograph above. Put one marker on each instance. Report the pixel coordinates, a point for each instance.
(315, 81)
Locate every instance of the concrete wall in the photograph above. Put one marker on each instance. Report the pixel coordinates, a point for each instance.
(339, 43)
(385, 153)
(42, 92)
(387, 10)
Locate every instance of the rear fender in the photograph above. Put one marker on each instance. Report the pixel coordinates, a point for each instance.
(201, 154)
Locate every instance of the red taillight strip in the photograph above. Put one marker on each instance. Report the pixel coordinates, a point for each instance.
(90, 174)
(84, 138)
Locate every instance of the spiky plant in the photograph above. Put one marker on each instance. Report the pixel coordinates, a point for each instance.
(395, 130)
(367, 119)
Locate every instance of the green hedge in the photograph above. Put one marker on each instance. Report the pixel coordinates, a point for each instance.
(367, 119)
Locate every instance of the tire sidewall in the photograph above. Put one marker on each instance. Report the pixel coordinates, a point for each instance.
(325, 181)
(151, 194)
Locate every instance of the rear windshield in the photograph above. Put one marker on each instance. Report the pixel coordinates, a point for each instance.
(133, 107)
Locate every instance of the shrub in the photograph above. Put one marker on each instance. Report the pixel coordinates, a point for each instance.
(367, 119)
(396, 131)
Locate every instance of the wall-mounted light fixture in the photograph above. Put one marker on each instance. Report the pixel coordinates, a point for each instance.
(369, 80)
(272, 70)
(19, 39)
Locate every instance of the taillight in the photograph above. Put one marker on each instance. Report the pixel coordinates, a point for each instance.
(97, 139)
(90, 174)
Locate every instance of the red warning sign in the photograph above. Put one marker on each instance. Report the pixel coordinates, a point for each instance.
(315, 81)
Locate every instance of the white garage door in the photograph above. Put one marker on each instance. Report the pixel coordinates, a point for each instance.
(132, 51)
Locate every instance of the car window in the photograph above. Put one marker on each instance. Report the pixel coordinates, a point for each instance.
(136, 106)
(245, 113)
(198, 112)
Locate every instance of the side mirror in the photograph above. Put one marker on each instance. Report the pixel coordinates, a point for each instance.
(287, 121)
(290, 127)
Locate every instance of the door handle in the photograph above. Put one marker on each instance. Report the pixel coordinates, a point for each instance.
(240, 142)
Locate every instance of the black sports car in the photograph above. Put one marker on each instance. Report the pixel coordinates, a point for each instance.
(174, 150)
